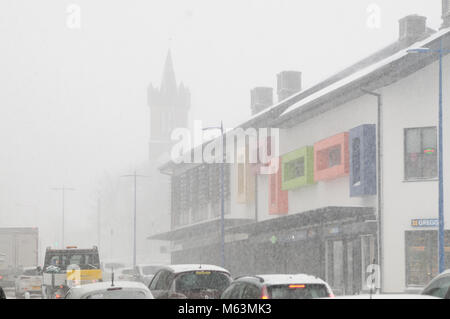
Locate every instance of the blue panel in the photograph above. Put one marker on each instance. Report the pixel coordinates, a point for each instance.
(363, 168)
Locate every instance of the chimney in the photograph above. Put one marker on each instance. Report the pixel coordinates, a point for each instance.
(445, 14)
(261, 98)
(412, 28)
(288, 83)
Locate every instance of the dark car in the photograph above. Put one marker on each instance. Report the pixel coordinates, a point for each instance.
(2, 294)
(190, 282)
(439, 286)
(277, 287)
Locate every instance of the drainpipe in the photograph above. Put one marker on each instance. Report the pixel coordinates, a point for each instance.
(379, 181)
(256, 197)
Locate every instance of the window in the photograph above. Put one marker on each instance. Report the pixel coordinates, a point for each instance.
(294, 169)
(234, 291)
(297, 168)
(420, 153)
(331, 157)
(251, 292)
(422, 256)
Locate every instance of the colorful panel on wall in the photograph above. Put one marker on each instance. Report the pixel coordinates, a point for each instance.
(331, 158)
(298, 168)
(363, 170)
(278, 198)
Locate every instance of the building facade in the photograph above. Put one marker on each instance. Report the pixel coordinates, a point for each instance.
(357, 183)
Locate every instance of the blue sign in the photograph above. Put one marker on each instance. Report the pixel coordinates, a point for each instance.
(425, 222)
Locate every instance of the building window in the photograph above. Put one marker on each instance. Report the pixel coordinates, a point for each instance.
(294, 169)
(331, 157)
(420, 153)
(422, 256)
(298, 168)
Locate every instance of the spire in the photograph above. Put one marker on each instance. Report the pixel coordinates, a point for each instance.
(168, 83)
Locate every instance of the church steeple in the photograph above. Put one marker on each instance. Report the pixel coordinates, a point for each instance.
(168, 83)
(169, 107)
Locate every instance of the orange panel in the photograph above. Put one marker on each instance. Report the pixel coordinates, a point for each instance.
(331, 158)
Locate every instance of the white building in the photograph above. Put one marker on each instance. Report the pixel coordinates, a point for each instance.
(350, 167)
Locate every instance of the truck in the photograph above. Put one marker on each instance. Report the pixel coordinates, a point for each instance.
(18, 249)
(69, 267)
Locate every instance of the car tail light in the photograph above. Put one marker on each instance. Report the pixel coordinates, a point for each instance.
(265, 294)
(1, 277)
(331, 295)
(58, 296)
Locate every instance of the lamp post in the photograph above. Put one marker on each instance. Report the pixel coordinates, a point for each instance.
(135, 176)
(441, 253)
(222, 194)
(63, 190)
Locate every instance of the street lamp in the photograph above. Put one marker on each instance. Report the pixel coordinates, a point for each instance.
(222, 194)
(135, 176)
(441, 52)
(63, 190)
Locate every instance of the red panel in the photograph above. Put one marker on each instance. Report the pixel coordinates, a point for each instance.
(325, 151)
(278, 199)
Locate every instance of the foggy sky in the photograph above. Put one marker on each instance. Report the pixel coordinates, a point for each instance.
(73, 102)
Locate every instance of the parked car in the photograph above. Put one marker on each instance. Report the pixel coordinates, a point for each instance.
(190, 282)
(126, 274)
(277, 287)
(439, 286)
(2, 293)
(146, 272)
(385, 296)
(29, 281)
(110, 290)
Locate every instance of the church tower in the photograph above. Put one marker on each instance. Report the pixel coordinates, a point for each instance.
(169, 106)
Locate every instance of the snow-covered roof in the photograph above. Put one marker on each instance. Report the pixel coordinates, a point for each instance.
(102, 286)
(194, 267)
(365, 71)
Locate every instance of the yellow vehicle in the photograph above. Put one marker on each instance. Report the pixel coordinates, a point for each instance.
(65, 268)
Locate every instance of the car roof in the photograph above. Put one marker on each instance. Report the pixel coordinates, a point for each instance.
(386, 296)
(193, 267)
(284, 279)
(100, 286)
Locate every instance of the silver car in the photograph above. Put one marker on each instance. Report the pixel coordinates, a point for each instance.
(29, 281)
(439, 286)
(109, 290)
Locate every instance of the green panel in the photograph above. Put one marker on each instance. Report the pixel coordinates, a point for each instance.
(298, 164)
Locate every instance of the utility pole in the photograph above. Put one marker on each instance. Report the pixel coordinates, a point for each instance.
(135, 176)
(222, 192)
(63, 190)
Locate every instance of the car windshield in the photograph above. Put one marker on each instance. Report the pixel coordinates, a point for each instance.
(203, 280)
(298, 291)
(118, 294)
(63, 260)
(150, 270)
